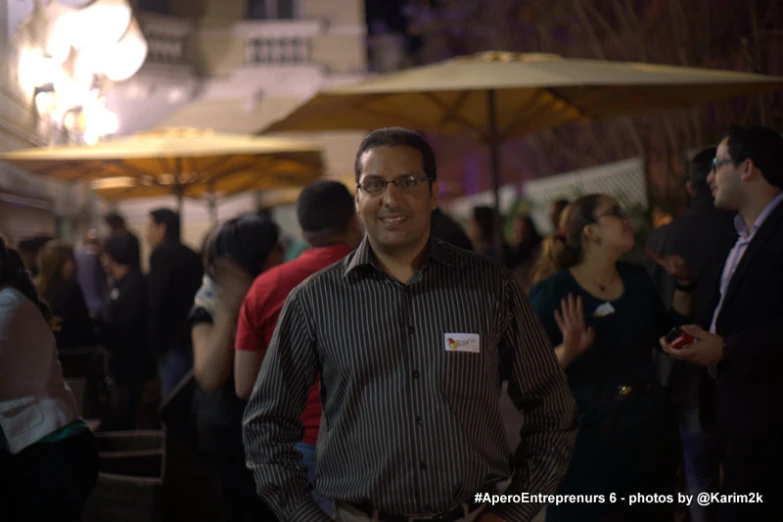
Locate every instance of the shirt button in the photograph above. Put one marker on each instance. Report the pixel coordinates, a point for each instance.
(423, 466)
(411, 330)
(419, 420)
(415, 374)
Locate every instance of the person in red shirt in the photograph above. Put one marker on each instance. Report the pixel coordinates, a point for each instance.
(325, 210)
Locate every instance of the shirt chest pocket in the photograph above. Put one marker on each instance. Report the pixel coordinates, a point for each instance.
(467, 362)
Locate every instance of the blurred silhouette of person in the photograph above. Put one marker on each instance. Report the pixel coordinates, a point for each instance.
(58, 286)
(174, 278)
(526, 248)
(445, 228)
(123, 328)
(117, 226)
(90, 273)
(481, 231)
(555, 211)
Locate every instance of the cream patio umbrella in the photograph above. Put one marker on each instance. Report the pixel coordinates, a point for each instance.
(179, 162)
(495, 96)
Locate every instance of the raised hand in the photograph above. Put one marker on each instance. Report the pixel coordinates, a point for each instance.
(571, 321)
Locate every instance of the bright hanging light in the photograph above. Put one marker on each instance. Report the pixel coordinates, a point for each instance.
(76, 4)
(44, 102)
(117, 62)
(58, 44)
(101, 23)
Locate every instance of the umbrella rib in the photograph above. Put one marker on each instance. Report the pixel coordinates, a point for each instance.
(451, 114)
(218, 163)
(551, 98)
(455, 117)
(362, 104)
(520, 115)
(231, 172)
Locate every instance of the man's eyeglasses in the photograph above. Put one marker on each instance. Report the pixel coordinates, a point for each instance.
(615, 211)
(376, 186)
(719, 162)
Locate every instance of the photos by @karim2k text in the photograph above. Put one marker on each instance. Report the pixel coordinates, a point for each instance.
(702, 499)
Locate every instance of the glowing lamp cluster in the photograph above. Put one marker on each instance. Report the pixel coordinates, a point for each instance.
(100, 36)
(86, 42)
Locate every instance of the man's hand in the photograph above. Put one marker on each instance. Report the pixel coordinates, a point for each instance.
(675, 265)
(706, 350)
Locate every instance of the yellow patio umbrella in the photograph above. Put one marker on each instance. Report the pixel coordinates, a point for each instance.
(495, 96)
(180, 162)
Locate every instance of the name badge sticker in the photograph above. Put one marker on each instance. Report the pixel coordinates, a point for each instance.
(604, 310)
(462, 342)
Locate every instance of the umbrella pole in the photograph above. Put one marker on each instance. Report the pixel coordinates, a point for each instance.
(494, 157)
(180, 201)
(213, 210)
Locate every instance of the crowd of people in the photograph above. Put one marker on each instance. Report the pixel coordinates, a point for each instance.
(360, 378)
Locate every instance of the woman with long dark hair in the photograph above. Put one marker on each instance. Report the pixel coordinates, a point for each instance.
(48, 457)
(605, 318)
(58, 286)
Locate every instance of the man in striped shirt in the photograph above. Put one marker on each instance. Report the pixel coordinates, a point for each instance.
(412, 338)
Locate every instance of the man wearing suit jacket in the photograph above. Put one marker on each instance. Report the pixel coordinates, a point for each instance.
(744, 347)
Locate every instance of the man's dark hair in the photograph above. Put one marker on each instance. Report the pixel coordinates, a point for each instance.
(114, 221)
(120, 248)
(325, 207)
(398, 137)
(763, 146)
(247, 240)
(166, 216)
(699, 169)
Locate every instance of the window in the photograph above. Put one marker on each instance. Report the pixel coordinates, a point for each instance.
(256, 9)
(155, 6)
(285, 9)
(271, 9)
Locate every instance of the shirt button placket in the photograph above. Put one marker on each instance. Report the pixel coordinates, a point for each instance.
(415, 395)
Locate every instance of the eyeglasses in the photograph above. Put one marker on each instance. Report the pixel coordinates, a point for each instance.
(376, 186)
(615, 211)
(719, 162)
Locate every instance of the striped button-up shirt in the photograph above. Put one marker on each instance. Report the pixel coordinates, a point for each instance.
(411, 379)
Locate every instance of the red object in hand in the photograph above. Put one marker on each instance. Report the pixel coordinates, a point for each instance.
(677, 338)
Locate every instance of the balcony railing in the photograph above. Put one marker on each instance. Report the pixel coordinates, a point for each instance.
(277, 42)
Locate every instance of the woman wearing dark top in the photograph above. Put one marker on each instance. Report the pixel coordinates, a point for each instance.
(605, 319)
(58, 286)
(235, 254)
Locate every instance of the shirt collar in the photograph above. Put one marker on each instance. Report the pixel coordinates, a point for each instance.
(742, 229)
(362, 256)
